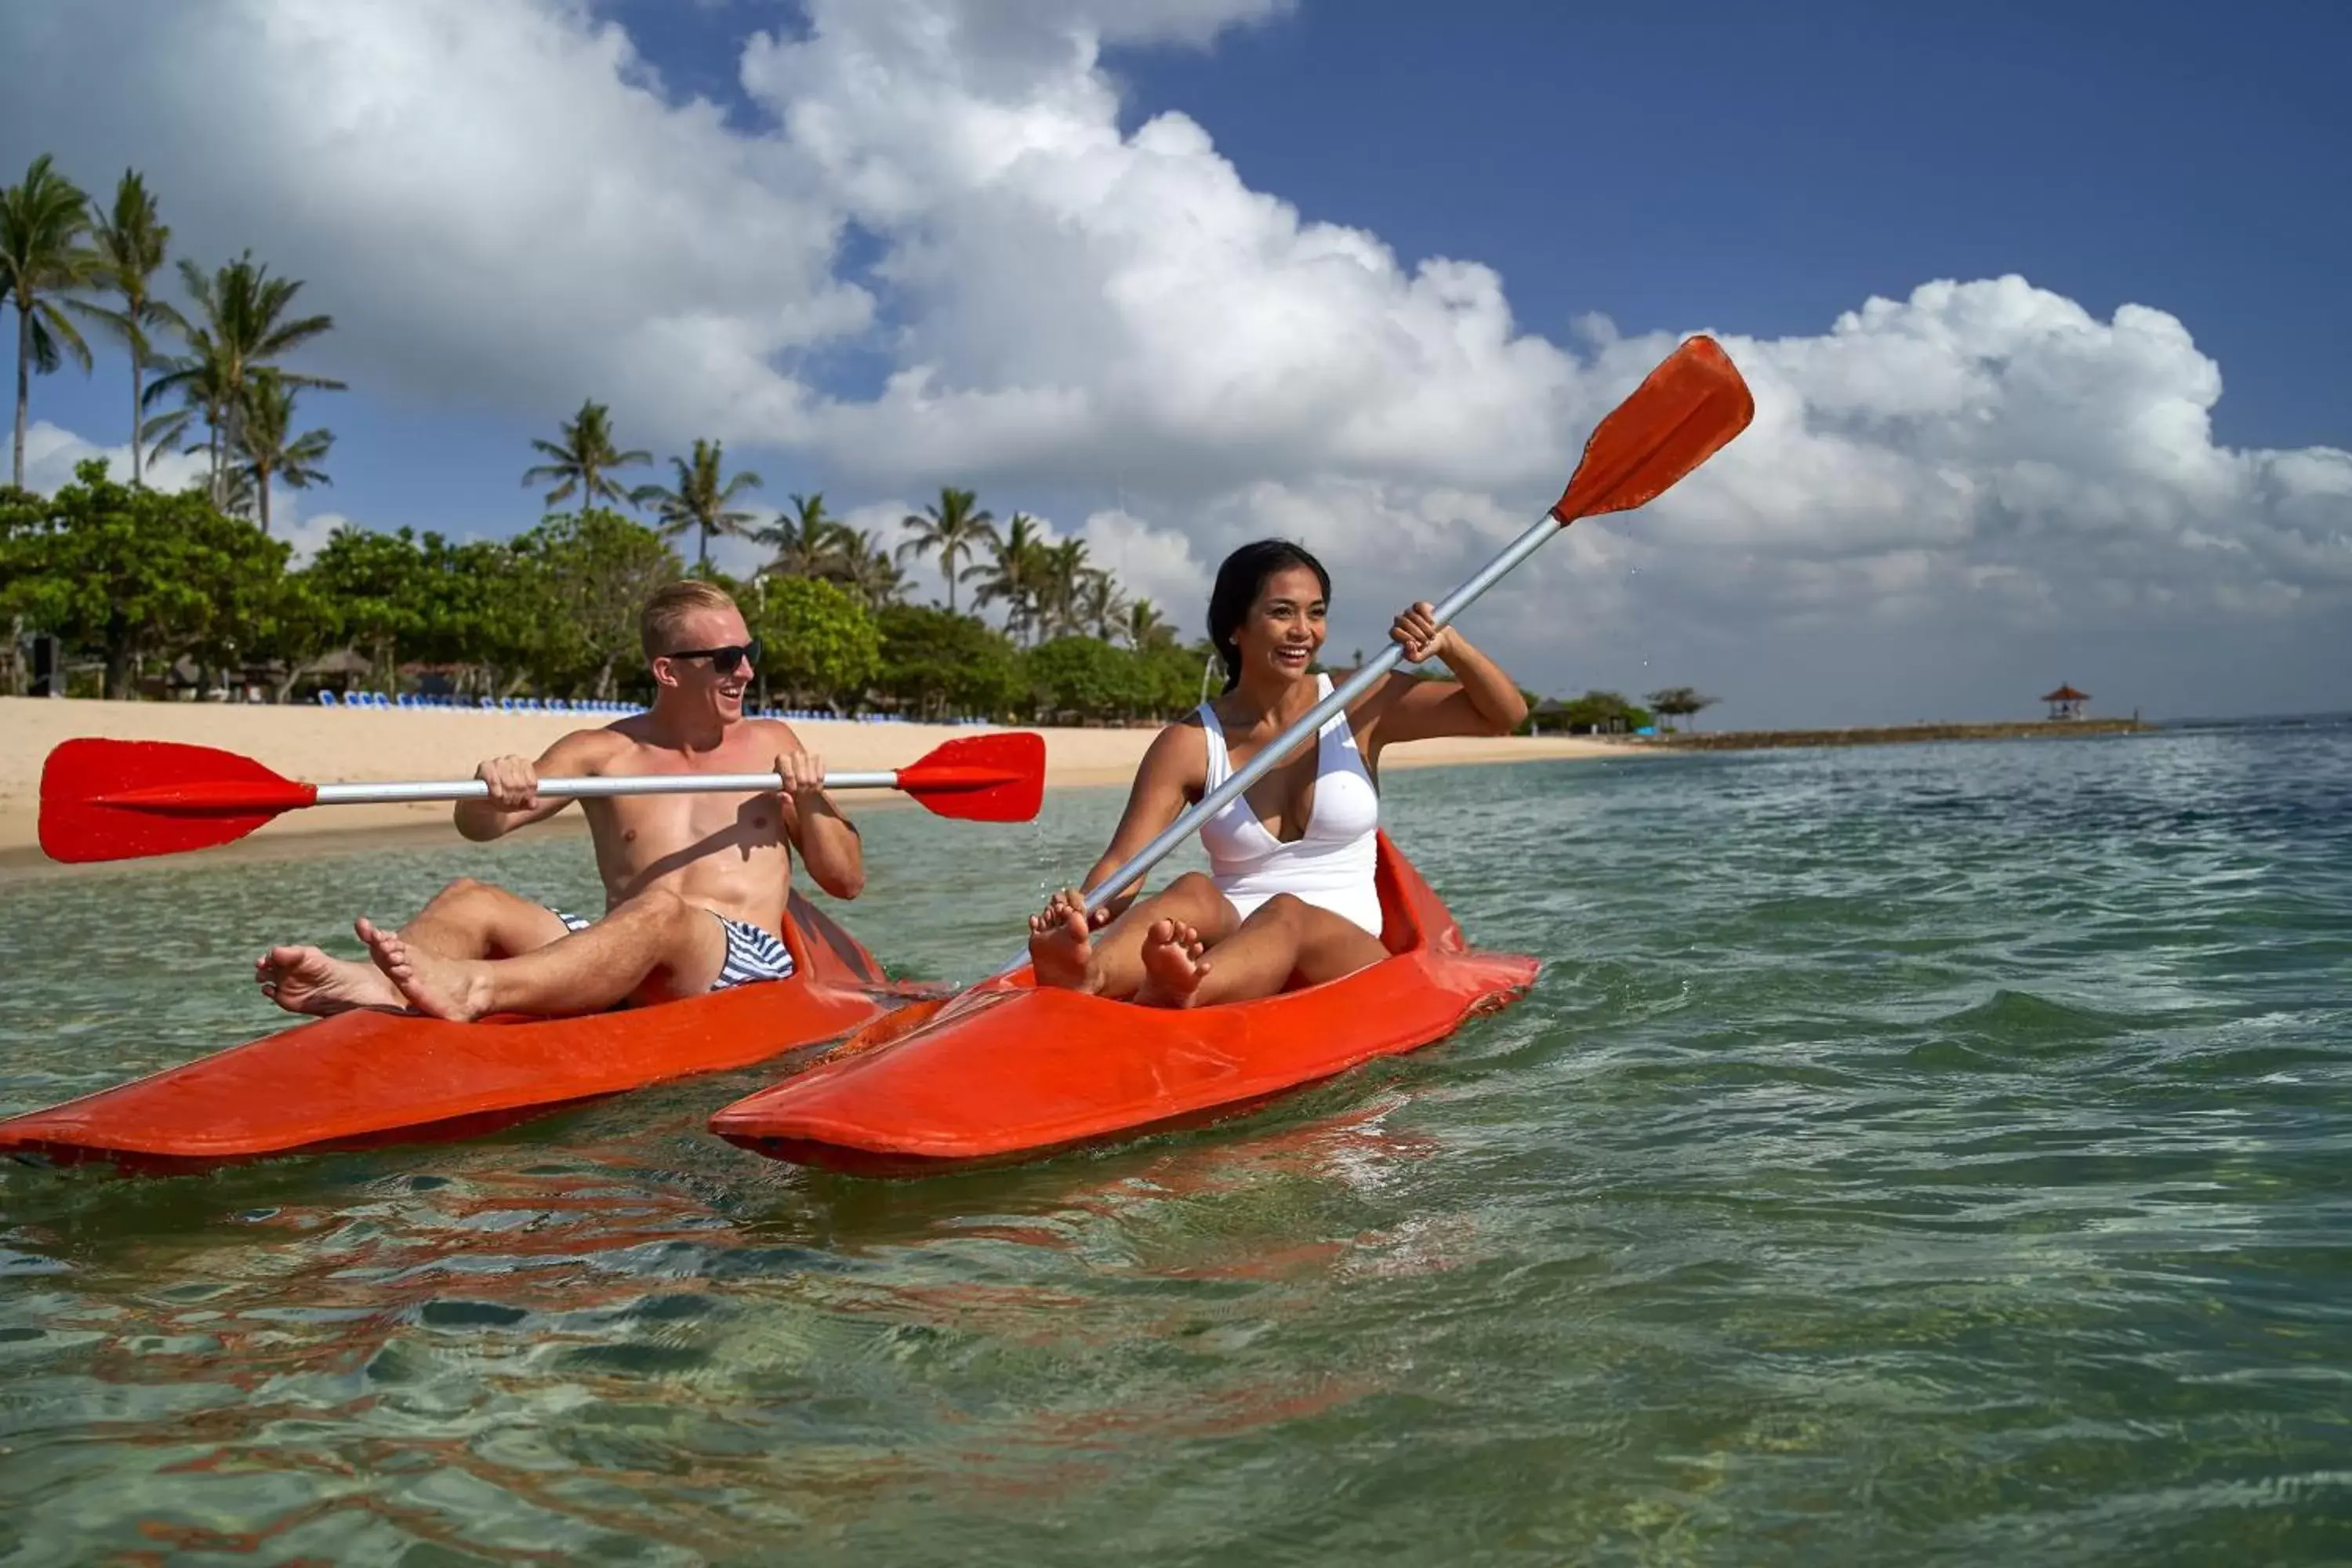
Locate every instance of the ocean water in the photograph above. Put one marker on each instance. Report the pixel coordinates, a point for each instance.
(1935, 1155)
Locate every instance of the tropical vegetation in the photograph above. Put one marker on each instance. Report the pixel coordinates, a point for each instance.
(148, 591)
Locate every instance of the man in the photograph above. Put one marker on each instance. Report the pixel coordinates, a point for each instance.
(694, 884)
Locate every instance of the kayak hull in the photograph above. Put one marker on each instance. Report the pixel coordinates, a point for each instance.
(369, 1077)
(1008, 1071)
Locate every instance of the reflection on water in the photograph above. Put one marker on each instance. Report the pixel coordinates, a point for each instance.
(1921, 1155)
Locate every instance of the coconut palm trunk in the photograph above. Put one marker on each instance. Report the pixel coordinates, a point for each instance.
(23, 385)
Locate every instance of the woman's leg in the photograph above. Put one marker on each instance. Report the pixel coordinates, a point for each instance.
(1287, 936)
(1108, 961)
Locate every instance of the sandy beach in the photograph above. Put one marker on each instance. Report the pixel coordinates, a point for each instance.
(326, 745)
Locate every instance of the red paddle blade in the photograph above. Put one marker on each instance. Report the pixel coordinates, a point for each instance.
(119, 800)
(982, 778)
(1683, 412)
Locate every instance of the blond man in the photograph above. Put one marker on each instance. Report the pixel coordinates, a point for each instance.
(694, 884)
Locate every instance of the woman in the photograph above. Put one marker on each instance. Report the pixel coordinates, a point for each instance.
(1289, 890)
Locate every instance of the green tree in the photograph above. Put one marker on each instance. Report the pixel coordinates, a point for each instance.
(1098, 608)
(1679, 702)
(596, 570)
(704, 501)
(936, 663)
(957, 528)
(1168, 677)
(130, 575)
(821, 644)
(270, 448)
(132, 241)
(1146, 628)
(1599, 711)
(240, 326)
(373, 580)
(1082, 675)
(1015, 575)
(807, 542)
(44, 223)
(865, 569)
(582, 459)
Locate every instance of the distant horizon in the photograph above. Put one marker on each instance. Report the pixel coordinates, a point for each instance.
(2049, 389)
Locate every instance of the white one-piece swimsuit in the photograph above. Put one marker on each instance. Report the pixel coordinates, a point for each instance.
(1331, 866)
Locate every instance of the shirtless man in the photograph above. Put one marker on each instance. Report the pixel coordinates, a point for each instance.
(694, 884)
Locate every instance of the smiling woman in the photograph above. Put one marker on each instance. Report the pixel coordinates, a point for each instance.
(1290, 890)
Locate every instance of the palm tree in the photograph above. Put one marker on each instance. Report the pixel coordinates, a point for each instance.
(239, 326)
(269, 450)
(43, 224)
(1015, 574)
(955, 528)
(1098, 605)
(703, 501)
(865, 569)
(1146, 628)
(581, 456)
(808, 543)
(131, 240)
(1063, 580)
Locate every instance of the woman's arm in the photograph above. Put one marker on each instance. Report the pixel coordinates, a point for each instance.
(1176, 761)
(1480, 700)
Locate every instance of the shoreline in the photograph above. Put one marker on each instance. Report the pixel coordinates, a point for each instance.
(323, 745)
(1904, 734)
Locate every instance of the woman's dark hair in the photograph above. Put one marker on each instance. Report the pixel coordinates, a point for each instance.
(1244, 571)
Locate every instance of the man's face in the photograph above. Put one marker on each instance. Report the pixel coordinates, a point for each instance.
(700, 679)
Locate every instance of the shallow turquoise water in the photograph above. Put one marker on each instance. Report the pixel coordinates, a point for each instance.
(1930, 1154)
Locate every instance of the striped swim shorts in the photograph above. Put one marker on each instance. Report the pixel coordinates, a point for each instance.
(752, 954)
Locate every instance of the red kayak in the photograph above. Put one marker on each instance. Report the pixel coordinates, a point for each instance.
(1011, 1071)
(370, 1077)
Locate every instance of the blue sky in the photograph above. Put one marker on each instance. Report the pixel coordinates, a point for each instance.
(1753, 170)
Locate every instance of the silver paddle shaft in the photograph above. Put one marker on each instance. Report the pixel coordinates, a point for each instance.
(1272, 755)
(585, 789)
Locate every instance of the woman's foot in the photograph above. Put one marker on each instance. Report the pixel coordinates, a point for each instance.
(306, 980)
(1061, 945)
(1173, 966)
(458, 989)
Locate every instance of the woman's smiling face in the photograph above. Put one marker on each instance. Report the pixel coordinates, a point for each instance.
(1285, 628)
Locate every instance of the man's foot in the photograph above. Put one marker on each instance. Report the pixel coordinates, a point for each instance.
(1173, 966)
(458, 989)
(305, 980)
(1062, 947)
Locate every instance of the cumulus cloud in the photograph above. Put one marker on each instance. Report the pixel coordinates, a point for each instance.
(502, 204)
(51, 455)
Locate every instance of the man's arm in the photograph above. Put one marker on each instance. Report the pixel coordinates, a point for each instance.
(514, 786)
(827, 841)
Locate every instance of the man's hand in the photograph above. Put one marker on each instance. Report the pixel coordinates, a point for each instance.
(802, 773)
(513, 781)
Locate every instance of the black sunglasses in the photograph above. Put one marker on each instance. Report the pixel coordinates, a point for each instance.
(723, 660)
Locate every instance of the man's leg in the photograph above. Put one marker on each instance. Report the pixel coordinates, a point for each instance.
(1109, 962)
(1285, 936)
(657, 944)
(465, 919)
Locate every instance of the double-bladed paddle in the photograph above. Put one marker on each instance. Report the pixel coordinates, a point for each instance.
(119, 800)
(1683, 412)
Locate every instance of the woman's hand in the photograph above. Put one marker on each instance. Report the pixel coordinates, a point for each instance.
(1417, 630)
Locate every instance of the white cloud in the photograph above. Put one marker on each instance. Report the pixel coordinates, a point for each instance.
(51, 455)
(500, 204)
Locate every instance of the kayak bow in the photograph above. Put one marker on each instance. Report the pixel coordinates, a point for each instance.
(1013, 1072)
(371, 1077)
